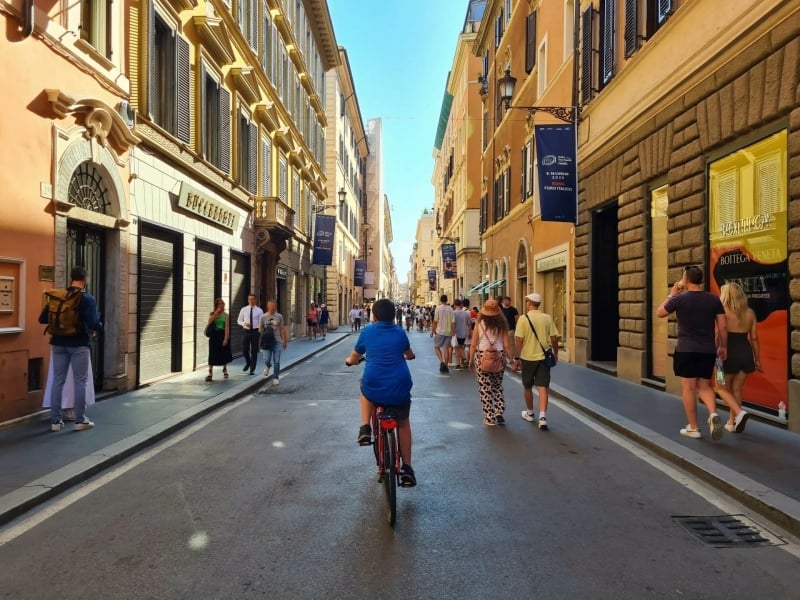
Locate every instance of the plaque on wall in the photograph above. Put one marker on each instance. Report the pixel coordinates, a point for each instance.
(47, 273)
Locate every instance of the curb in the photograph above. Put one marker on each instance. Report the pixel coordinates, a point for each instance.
(780, 509)
(23, 499)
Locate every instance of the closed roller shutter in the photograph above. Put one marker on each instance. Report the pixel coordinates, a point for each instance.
(206, 289)
(240, 288)
(157, 305)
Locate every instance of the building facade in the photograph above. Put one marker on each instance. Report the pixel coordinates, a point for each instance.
(66, 155)
(457, 165)
(376, 247)
(347, 152)
(532, 42)
(424, 260)
(688, 154)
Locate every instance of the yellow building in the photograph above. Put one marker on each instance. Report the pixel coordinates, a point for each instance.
(533, 43)
(688, 154)
(424, 259)
(456, 171)
(229, 98)
(65, 147)
(347, 152)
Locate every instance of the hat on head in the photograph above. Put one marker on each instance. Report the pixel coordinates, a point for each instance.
(534, 298)
(323, 305)
(491, 308)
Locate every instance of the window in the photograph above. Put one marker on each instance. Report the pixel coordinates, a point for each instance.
(530, 42)
(169, 99)
(569, 29)
(631, 26)
(248, 21)
(297, 201)
(499, 28)
(248, 154)
(659, 283)
(283, 179)
(541, 75)
(587, 23)
(607, 45)
(507, 191)
(216, 123)
(508, 11)
(268, 48)
(658, 11)
(95, 27)
(266, 167)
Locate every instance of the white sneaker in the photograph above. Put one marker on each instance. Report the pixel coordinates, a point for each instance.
(692, 433)
(56, 426)
(527, 416)
(83, 425)
(276, 381)
(266, 371)
(543, 423)
(715, 426)
(740, 421)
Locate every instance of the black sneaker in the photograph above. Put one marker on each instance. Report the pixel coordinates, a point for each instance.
(500, 420)
(443, 368)
(407, 477)
(365, 435)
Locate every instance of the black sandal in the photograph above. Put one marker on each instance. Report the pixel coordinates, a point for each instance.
(209, 378)
(225, 374)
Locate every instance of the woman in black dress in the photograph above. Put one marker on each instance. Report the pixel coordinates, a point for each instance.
(218, 331)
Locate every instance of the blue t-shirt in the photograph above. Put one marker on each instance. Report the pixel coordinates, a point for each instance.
(386, 379)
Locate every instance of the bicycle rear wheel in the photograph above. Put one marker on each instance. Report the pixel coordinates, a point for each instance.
(389, 474)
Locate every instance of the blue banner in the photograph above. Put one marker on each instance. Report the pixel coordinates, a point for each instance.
(432, 280)
(358, 272)
(449, 261)
(324, 227)
(556, 155)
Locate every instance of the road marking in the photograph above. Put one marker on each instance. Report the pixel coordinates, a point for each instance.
(64, 502)
(700, 488)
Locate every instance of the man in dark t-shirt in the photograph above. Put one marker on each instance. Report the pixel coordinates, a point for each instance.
(512, 315)
(702, 337)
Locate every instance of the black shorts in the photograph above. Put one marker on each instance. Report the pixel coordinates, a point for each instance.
(460, 341)
(693, 365)
(535, 373)
(311, 323)
(401, 411)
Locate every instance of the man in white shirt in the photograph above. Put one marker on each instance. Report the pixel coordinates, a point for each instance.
(250, 319)
(442, 333)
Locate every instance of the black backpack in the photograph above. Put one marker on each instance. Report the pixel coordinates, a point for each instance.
(268, 337)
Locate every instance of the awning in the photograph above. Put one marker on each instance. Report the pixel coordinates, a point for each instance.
(494, 284)
(477, 288)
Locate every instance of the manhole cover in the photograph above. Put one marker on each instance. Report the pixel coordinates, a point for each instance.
(728, 531)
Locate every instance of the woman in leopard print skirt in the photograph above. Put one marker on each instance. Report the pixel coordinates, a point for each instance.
(491, 330)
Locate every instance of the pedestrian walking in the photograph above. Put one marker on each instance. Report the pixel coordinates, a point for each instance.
(324, 319)
(743, 352)
(355, 317)
(461, 330)
(442, 332)
(72, 321)
(249, 318)
(698, 347)
(512, 315)
(273, 340)
(489, 350)
(68, 392)
(312, 317)
(535, 334)
(218, 331)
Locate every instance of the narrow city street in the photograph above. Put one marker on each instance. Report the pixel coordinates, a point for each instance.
(270, 497)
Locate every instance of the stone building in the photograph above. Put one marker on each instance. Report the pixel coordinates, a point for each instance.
(688, 154)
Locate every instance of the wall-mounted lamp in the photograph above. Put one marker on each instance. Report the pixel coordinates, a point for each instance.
(505, 89)
(320, 207)
(445, 237)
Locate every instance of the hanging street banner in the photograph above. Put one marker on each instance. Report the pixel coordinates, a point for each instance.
(358, 272)
(432, 280)
(449, 261)
(556, 156)
(324, 227)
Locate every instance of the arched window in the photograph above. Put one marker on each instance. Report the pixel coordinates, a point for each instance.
(88, 190)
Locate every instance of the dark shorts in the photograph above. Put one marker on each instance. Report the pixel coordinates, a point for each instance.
(311, 323)
(693, 365)
(535, 373)
(460, 341)
(401, 411)
(740, 354)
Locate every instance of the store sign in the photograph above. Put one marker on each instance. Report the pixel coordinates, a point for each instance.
(556, 261)
(359, 270)
(198, 203)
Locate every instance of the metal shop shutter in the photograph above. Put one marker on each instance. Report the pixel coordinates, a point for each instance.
(206, 289)
(240, 288)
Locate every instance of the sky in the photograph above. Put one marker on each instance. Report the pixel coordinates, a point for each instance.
(400, 54)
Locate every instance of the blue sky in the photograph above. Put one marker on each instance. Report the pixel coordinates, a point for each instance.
(400, 54)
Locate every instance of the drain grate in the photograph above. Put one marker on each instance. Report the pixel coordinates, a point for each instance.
(729, 531)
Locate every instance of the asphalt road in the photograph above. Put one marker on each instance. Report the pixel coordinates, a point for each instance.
(273, 499)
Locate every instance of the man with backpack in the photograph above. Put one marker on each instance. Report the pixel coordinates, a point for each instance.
(72, 320)
(273, 339)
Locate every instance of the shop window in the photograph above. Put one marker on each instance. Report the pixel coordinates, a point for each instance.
(216, 123)
(659, 283)
(248, 154)
(96, 26)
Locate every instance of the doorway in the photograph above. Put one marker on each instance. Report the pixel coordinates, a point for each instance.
(605, 285)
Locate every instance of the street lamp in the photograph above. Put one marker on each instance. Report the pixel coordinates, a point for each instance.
(321, 207)
(445, 237)
(505, 88)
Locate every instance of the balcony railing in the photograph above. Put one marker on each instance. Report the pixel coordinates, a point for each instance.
(275, 216)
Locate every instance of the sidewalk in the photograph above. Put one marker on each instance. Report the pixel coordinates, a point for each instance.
(36, 464)
(760, 467)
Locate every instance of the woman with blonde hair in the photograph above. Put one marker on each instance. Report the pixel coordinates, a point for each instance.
(490, 334)
(743, 352)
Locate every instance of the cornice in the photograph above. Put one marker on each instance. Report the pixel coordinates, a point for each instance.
(268, 114)
(245, 81)
(214, 37)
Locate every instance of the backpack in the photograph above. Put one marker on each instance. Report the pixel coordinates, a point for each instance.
(492, 360)
(62, 312)
(268, 337)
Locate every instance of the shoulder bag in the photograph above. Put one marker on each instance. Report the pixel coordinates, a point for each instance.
(549, 357)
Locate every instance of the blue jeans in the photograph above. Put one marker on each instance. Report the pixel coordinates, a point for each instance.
(78, 358)
(273, 355)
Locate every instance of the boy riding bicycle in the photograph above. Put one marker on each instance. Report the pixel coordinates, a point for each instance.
(386, 380)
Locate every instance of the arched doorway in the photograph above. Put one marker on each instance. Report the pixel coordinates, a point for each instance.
(522, 275)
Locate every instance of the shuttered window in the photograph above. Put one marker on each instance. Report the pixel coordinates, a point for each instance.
(664, 10)
(530, 167)
(252, 34)
(96, 25)
(607, 45)
(483, 215)
(266, 167)
(183, 100)
(631, 26)
(587, 24)
(768, 184)
(283, 179)
(268, 49)
(657, 13)
(727, 196)
(499, 28)
(297, 201)
(523, 185)
(216, 103)
(224, 130)
(169, 94)
(530, 42)
(248, 154)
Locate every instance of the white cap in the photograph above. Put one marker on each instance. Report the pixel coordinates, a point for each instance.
(534, 298)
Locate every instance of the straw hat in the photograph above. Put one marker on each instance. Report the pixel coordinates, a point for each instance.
(491, 308)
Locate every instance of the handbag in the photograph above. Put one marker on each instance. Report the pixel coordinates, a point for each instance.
(549, 357)
(209, 328)
(492, 360)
